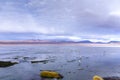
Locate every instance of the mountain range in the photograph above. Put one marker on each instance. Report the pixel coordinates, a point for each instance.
(50, 42)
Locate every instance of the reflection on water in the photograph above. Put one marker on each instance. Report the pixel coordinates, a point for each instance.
(73, 62)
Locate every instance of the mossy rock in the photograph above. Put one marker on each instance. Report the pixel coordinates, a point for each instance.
(7, 63)
(96, 77)
(50, 74)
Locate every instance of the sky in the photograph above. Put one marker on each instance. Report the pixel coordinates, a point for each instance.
(94, 20)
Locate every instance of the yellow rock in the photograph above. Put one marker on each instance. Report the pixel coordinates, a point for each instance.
(50, 74)
(96, 77)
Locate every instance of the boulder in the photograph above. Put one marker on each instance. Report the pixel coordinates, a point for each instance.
(50, 74)
(96, 77)
(7, 63)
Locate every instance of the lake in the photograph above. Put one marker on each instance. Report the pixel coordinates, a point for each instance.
(72, 61)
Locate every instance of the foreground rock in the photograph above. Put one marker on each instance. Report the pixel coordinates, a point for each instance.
(50, 74)
(40, 61)
(7, 63)
(96, 77)
(111, 78)
(105, 78)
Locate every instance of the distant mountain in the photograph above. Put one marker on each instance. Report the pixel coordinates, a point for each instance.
(60, 40)
(114, 42)
(51, 41)
(84, 41)
(41, 41)
(69, 41)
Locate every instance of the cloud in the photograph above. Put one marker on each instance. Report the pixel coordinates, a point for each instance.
(84, 15)
(81, 19)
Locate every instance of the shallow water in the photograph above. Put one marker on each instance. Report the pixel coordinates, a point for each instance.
(73, 62)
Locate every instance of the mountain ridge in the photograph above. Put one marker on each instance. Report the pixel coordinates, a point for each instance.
(38, 41)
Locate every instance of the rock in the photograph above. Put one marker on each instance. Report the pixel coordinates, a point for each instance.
(111, 78)
(71, 60)
(50, 74)
(41, 61)
(96, 77)
(7, 63)
(105, 78)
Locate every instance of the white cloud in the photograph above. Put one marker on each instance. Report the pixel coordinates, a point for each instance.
(115, 13)
(90, 18)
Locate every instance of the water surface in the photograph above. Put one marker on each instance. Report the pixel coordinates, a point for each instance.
(73, 62)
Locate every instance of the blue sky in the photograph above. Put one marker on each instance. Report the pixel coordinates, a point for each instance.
(95, 20)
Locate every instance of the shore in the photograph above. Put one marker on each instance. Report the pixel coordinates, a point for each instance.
(66, 44)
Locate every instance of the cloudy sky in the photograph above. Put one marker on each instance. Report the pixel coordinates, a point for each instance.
(95, 20)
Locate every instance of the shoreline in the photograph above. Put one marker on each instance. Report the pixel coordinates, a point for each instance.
(66, 44)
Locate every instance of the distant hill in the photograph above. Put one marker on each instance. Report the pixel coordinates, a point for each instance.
(84, 41)
(41, 41)
(114, 42)
(53, 41)
(69, 41)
